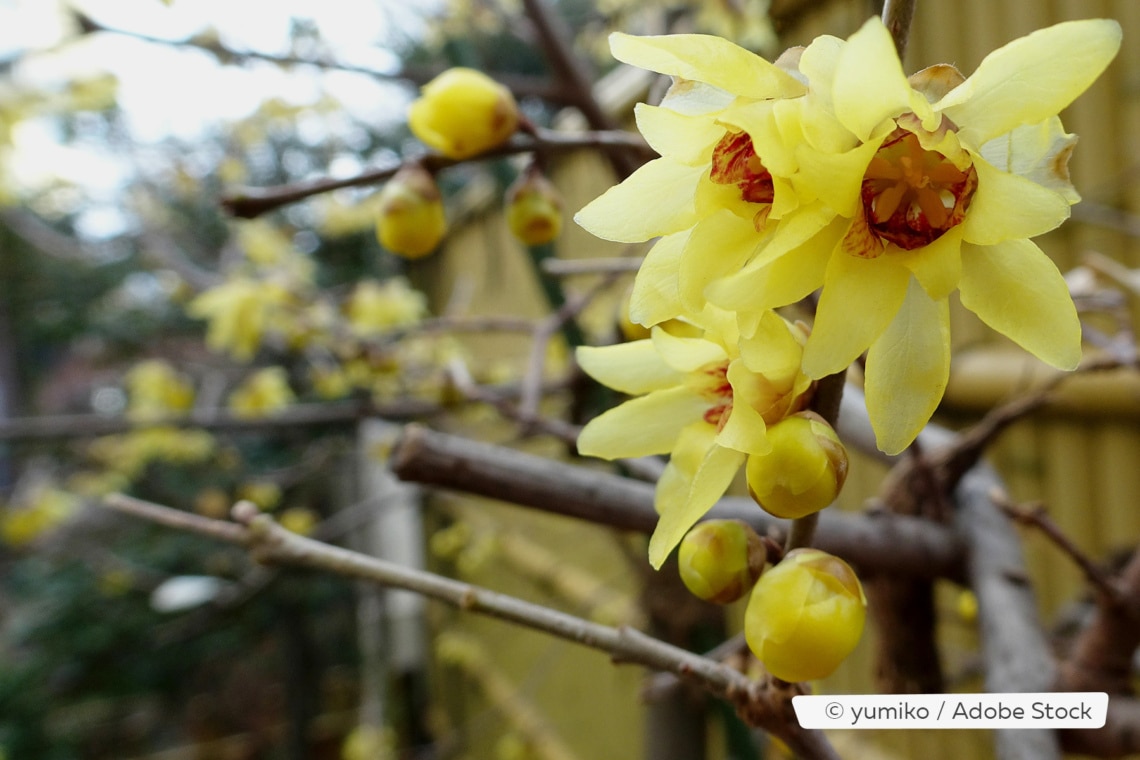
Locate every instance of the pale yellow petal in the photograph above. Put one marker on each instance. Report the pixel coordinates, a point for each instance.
(718, 246)
(632, 368)
(688, 139)
(1006, 207)
(642, 426)
(783, 281)
(745, 429)
(711, 480)
(860, 298)
(938, 266)
(686, 354)
(834, 178)
(907, 369)
(771, 350)
(1031, 78)
(870, 85)
(1017, 290)
(1039, 152)
(709, 59)
(657, 199)
(655, 297)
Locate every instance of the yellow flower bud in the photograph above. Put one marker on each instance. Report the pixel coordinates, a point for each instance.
(463, 112)
(411, 222)
(534, 208)
(804, 471)
(719, 560)
(805, 615)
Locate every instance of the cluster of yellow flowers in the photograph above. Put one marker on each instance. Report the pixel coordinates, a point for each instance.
(828, 169)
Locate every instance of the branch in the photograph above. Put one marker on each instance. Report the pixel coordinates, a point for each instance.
(897, 16)
(1014, 648)
(875, 542)
(269, 543)
(249, 203)
(1119, 737)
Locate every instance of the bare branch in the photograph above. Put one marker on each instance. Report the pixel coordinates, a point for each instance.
(249, 203)
(269, 543)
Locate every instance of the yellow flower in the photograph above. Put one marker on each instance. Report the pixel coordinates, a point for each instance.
(946, 180)
(534, 208)
(707, 401)
(804, 471)
(463, 112)
(375, 307)
(708, 191)
(805, 615)
(410, 220)
(263, 393)
(156, 390)
(240, 311)
(719, 560)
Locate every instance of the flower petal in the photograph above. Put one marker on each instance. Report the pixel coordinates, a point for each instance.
(870, 85)
(745, 429)
(1039, 152)
(937, 266)
(688, 139)
(711, 480)
(907, 369)
(1031, 78)
(860, 298)
(657, 199)
(718, 246)
(632, 368)
(783, 281)
(772, 350)
(642, 426)
(1007, 207)
(834, 178)
(655, 297)
(686, 354)
(1018, 291)
(706, 58)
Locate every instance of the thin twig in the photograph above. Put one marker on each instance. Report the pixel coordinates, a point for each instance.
(575, 267)
(251, 202)
(1035, 516)
(269, 543)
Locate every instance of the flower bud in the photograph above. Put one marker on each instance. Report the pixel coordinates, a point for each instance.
(410, 222)
(805, 615)
(534, 208)
(721, 559)
(804, 471)
(463, 112)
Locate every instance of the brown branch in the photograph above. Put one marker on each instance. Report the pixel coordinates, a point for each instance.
(1035, 516)
(269, 543)
(1014, 648)
(1119, 737)
(1101, 655)
(249, 203)
(574, 267)
(873, 542)
(897, 17)
(570, 70)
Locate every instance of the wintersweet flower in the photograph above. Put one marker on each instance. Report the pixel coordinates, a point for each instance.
(463, 112)
(710, 190)
(705, 400)
(931, 184)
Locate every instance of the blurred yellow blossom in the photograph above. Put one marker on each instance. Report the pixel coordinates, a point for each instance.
(129, 453)
(43, 509)
(261, 394)
(264, 493)
(300, 520)
(240, 311)
(375, 307)
(463, 112)
(156, 390)
(410, 219)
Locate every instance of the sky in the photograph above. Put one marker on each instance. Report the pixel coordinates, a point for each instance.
(167, 91)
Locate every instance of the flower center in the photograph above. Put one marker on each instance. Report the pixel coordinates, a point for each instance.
(716, 388)
(911, 195)
(734, 162)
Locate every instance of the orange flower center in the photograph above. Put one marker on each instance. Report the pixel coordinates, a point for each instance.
(734, 162)
(716, 388)
(911, 195)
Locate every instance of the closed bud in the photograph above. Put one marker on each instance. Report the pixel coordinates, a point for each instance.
(410, 221)
(721, 559)
(804, 471)
(534, 208)
(805, 615)
(463, 112)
